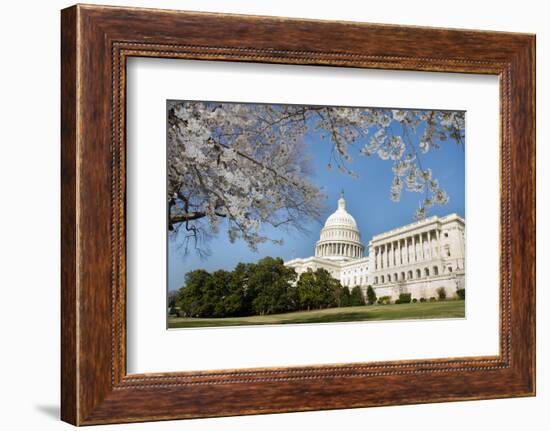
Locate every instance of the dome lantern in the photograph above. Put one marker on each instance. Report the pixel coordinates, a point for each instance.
(342, 201)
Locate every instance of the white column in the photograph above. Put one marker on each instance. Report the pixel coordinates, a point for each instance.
(400, 252)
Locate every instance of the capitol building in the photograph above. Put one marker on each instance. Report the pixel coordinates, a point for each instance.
(418, 258)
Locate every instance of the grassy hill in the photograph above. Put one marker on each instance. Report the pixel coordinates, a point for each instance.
(425, 310)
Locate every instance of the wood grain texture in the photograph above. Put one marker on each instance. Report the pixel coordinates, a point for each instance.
(96, 41)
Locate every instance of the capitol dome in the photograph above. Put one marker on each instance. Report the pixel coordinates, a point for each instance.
(340, 238)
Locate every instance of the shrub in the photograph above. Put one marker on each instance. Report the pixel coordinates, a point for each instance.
(461, 293)
(422, 299)
(404, 298)
(414, 300)
(441, 293)
(384, 300)
(432, 299)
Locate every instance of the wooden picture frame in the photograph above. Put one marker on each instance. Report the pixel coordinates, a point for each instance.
(95, 43)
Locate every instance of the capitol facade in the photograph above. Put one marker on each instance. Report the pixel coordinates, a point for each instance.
(418, 258)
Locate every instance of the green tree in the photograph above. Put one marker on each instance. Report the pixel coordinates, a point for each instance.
(308, 291)
(371, 295)
(237, 302)
(217, 292)
(318, 290)
(271, 281)
(357, 297)
(344, 297)
(329, 288)
(190, 297)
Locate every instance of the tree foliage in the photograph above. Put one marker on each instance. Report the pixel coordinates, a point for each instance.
(371, 295)
(265, 287)
(246, 164)
(317, 289)
(356, 297)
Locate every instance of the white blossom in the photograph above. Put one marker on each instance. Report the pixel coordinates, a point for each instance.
(245, 166)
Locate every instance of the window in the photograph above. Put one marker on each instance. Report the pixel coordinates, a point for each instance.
(446, 234)
(450, 269)
(382, 279)
(427, 272)
(436, 270)
(418, 273)
(375, 280)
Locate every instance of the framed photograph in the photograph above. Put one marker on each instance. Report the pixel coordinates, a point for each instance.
(265, 215)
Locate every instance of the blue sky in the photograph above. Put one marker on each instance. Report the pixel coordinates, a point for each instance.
(367, 199)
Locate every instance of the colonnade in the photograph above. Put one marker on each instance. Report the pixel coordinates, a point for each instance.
(339, 249)
(406, 250)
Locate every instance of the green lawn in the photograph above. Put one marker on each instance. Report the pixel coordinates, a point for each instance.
(426, 310)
